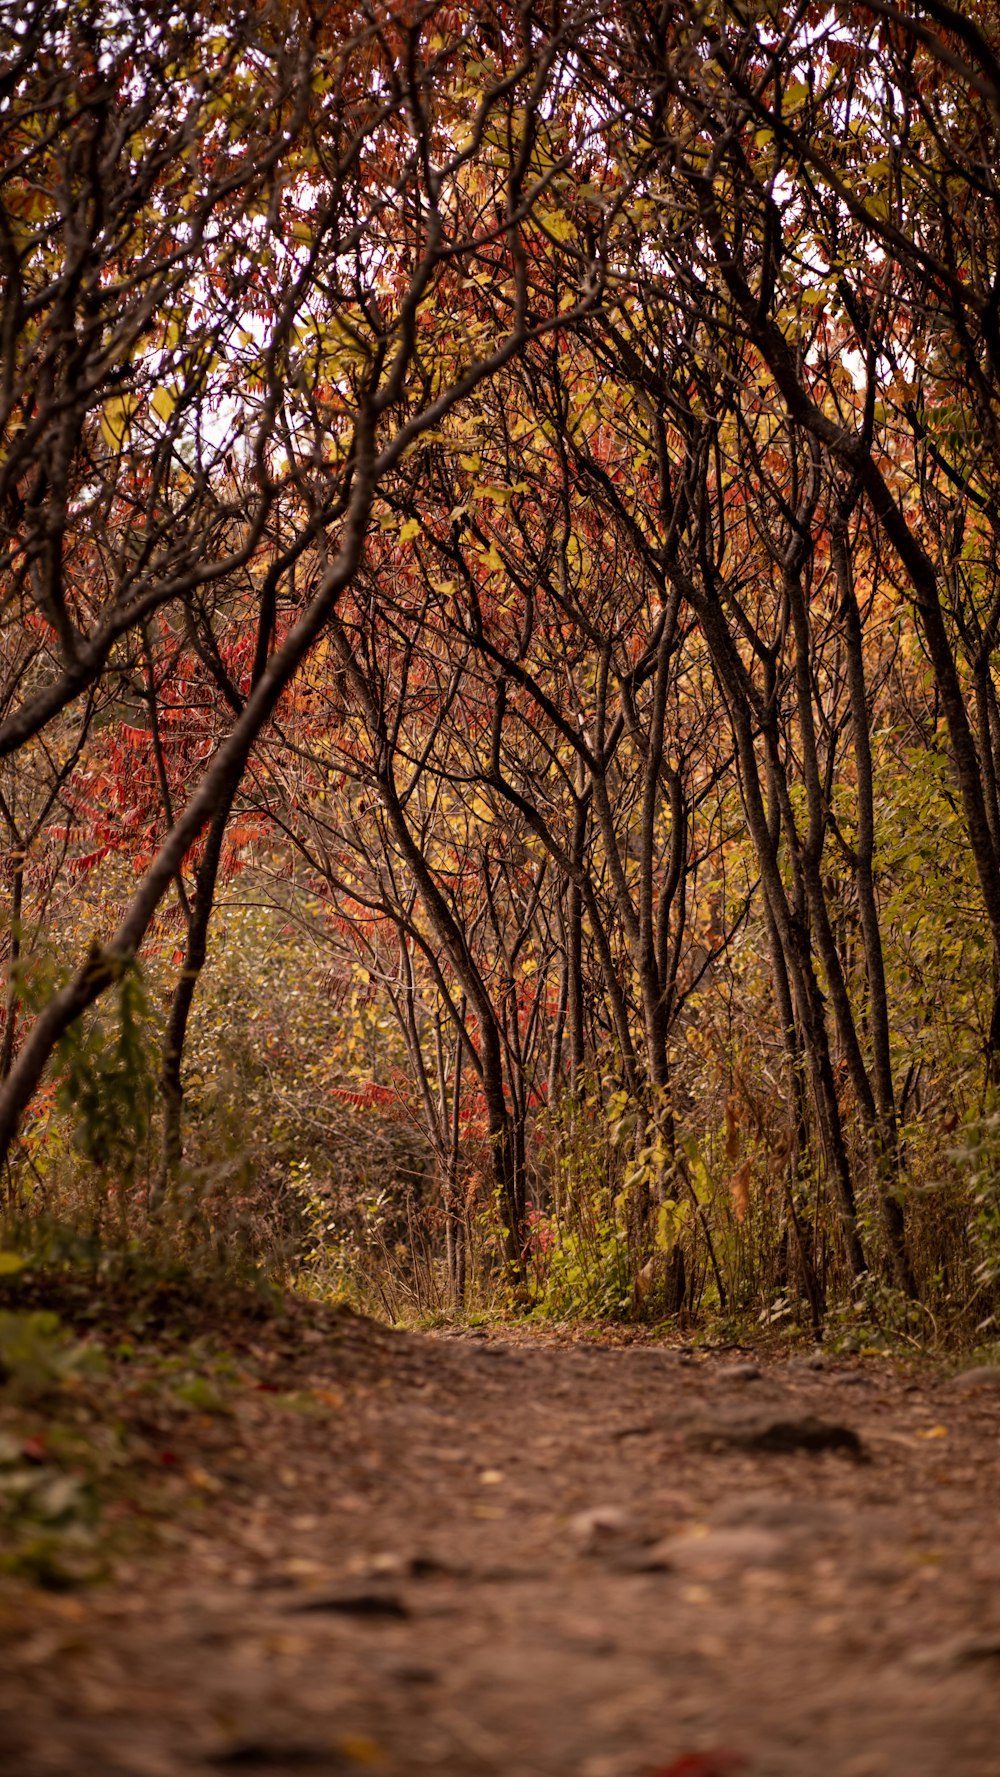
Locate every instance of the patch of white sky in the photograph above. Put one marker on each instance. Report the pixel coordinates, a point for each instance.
(864, 111)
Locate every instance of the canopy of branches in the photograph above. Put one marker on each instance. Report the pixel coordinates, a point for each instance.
(515, 491)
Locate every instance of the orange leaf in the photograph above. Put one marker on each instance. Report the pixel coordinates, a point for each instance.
(739, 1190)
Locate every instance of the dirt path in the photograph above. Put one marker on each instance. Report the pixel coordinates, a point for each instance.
(476, 1556)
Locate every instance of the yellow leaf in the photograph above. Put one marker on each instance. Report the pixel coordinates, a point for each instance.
(359, 1750)
(409, 530)
(201, 1478)
(163, 404)
(560, 228)
(116, 420)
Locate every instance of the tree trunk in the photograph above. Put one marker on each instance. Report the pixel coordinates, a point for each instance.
(175, 1035)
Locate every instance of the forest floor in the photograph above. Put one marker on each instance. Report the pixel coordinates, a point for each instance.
(333, 1548)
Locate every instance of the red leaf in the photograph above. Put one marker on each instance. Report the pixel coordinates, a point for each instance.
(718, 1762)
(34, 1449)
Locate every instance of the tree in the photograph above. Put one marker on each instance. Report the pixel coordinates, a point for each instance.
(341, 179)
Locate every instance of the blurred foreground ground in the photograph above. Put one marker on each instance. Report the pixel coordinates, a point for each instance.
(505, 1556)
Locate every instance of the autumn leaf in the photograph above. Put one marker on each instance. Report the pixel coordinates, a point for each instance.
(739, 1191)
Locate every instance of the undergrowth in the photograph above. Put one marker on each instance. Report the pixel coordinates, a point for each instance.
(633, 1214)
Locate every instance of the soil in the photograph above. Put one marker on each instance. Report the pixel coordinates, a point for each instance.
(513, 1555)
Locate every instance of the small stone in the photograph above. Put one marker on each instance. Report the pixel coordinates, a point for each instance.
(267, 1751)
(431, 1567)
(405, 1672)
(977, 1647)
(600, 1528)
(780, 1436)
(746, 1372)
(983, 1376)
(646, 1558)
(959, 1651)
(360, 1601)
(805, 1520)
(719, 1549)
(506, 1574)
(816, 1360)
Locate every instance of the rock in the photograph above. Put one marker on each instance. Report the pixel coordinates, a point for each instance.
(976, 1647)
(747, 1372)
(810, 1361)
(407, 1672)
(506, 1574)
(275, 1752)
(397, 1565)
(959, 1651)
(750, 1546)
(646, 1558)
(781, 1436)
(601, 1529)
(361, 1601)
(983, 1376)
(429, 1567)
(803, 1519)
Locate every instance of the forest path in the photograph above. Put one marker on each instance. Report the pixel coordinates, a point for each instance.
(512, 1557)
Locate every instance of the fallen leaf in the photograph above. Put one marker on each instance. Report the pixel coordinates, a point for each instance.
(360, 1749)
(328, 1397)
(716, 1763)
